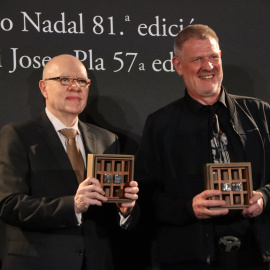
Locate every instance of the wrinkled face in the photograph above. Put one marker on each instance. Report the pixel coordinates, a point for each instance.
(61, 100)
(201, 67)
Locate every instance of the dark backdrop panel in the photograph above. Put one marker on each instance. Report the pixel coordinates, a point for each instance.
(126, 47)
(119, 41)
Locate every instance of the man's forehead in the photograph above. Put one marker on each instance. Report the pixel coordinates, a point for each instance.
(200, 42)
(65, 67)
(201, 46)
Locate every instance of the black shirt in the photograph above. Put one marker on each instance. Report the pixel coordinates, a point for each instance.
(233, 223)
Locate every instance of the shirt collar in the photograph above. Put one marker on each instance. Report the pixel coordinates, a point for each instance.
(222, 98)
(58, 125)
(197, 105)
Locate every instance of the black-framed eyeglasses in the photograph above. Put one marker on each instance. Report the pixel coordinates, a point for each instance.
(66, 80)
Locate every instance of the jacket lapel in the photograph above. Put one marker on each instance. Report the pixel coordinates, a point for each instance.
(50, 137)
(89, 139)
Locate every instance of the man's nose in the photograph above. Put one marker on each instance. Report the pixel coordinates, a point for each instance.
(75, 85)
(207, 64)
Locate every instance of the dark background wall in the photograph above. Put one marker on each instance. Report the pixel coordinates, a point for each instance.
(126, 47)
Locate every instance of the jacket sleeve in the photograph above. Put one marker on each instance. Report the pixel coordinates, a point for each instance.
(257, 148)
(18, 206)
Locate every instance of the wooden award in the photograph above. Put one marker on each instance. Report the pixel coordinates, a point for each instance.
(233, 179)
(114, 173)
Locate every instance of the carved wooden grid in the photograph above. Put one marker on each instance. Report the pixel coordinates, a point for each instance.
(218, 174)
(113, 165)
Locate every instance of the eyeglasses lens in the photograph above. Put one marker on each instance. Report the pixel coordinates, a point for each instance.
(70, 81)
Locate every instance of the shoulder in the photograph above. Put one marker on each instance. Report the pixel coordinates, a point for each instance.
(250, 102)
(95, 130)
(168, 109)
(15, 136)
(164, 114)
(28, 128)
(99, 140)
(24, 126)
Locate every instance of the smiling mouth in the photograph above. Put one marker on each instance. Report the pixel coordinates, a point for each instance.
(207, 77)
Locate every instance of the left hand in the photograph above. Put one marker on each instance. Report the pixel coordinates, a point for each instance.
(130, 193)
(256, 206)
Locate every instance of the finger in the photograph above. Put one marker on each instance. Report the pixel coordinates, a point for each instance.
(89, 181)
(133, 184)
(83, 205)
(90, 185)
(93, 181)
(218, 212)
(91, 198)
(209, 213)
(131, 196)
(96, 196)
(256, 196)
(252, 211)
(209, 203)
(94, 188)
(133, 190)
(89, 191)
(85, 182)
(209, 193)
(132, 187)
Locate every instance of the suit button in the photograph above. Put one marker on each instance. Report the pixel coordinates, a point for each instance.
(79, 252)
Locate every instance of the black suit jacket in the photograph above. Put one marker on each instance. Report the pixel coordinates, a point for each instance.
(37, 188)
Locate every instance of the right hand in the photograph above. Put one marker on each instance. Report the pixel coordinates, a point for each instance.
(201, 205)
(89, 193)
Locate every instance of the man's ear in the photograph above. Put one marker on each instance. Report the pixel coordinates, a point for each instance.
(42, 87)
(177, 63)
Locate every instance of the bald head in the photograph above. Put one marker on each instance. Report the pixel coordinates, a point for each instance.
(59, 64)
(64, 101)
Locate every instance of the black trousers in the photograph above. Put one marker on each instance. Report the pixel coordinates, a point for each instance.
(246, 258)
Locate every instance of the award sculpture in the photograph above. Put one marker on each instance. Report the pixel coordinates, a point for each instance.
(114, 173)
(233, 179)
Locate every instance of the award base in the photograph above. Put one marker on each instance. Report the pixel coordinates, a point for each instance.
(233, 179)
(114, 173)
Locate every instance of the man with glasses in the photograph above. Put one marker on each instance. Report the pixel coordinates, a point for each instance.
(55, 217)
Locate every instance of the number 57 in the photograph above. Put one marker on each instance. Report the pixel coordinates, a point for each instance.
(122, 62)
